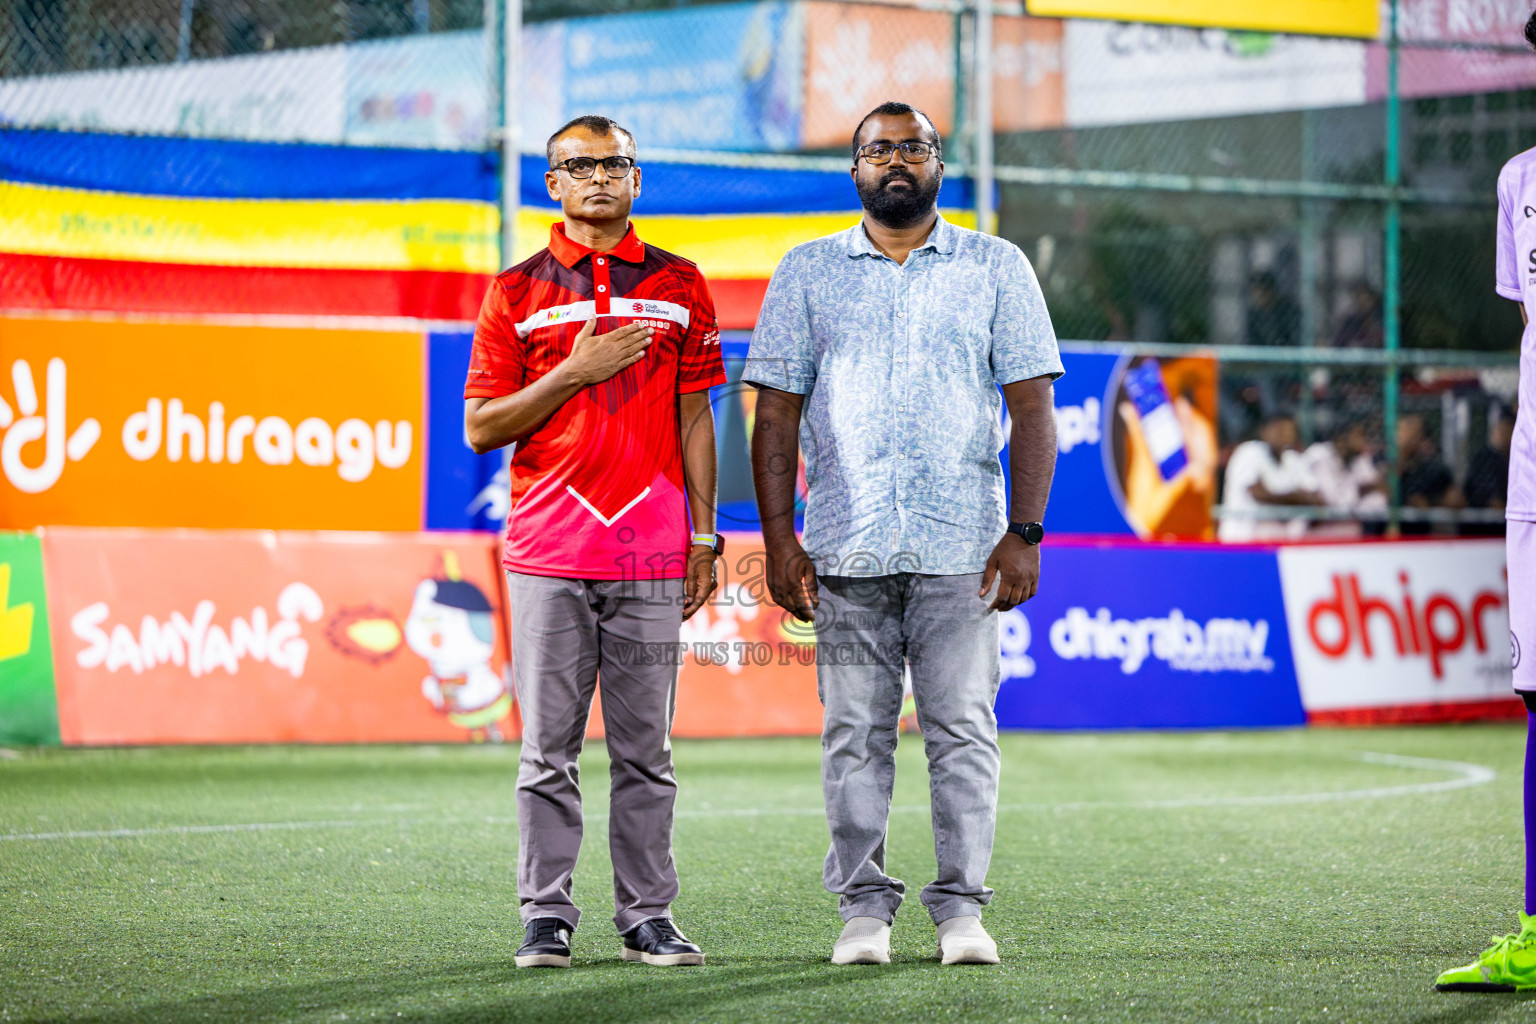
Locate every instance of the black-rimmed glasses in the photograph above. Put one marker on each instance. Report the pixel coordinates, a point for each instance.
(912, 152)
(585, 166)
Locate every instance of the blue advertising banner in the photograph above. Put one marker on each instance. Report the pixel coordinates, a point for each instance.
(741, 89)
(1124, 637)
(465, 491)
(1082, 497)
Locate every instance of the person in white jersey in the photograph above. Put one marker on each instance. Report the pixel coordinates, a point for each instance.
(1510, 963)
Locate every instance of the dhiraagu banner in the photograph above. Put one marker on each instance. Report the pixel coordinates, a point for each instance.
(28, 712)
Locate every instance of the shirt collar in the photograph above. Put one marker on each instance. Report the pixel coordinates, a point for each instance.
(941, 239)
(630, 249)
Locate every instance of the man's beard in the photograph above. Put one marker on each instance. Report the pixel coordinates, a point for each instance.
(901, 208)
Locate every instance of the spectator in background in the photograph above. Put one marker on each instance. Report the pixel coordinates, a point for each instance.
(1361, 327)
(1346, 476)
(1266, 472)
(1425, 481)
(1487, 484)
(1273, 319)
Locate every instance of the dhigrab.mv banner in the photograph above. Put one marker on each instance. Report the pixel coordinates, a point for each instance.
(1127, 636)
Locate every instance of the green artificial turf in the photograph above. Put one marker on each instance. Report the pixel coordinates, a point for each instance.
(1137, 879)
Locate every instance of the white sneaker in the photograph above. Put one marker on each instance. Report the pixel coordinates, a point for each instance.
(962, 940)
(865, 940)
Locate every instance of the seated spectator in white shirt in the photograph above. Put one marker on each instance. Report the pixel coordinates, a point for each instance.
(1346, 476)
(1263, 473)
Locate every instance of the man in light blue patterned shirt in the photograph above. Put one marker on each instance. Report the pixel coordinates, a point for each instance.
(879, 352)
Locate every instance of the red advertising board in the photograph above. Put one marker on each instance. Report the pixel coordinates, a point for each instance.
(254, 637)
(1400, 632)
(246, 637)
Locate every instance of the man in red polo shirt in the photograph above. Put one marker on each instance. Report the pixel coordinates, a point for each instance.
(595, 358)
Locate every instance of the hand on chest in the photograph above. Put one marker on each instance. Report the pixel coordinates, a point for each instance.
(614, 295)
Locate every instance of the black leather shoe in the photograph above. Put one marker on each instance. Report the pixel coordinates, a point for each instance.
(546, 943)
(658, 942)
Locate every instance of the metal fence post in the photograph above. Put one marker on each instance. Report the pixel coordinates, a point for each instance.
(512, 125)
(981, 92)
(184, 33)
(1392, 273)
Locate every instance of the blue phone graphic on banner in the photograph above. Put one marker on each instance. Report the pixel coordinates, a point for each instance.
(1159, 423)
(1083, 498)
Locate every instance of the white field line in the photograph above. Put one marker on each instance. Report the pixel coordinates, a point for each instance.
(1465, 775)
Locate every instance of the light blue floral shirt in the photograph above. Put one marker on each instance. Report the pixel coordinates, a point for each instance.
(900, 364)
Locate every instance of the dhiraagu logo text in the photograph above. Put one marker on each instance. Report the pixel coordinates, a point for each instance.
(148, 424)
(28, 709)
(42, 427)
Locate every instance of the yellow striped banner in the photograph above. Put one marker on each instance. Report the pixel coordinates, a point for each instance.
(415, 234)
(729, 246)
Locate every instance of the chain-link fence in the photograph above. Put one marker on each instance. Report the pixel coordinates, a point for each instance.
(1319, 212)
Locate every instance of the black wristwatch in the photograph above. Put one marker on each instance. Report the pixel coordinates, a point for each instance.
(1032, 533)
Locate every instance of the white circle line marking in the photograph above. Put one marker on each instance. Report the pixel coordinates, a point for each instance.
(1466, 775)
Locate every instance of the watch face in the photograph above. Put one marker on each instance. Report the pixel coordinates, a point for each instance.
(1034, 533)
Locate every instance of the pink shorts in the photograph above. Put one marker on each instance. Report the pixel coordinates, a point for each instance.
(1520, 565)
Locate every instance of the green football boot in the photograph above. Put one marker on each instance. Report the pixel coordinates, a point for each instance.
(1509, 965)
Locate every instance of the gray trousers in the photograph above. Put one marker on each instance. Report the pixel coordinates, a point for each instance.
(565, 633)
(866, 629)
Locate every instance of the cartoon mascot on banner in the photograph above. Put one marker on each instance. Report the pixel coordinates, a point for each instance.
(451, 626)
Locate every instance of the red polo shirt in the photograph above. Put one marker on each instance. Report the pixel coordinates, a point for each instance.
(597, 491)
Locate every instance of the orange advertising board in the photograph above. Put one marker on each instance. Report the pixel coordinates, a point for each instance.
(859, 56)
(1027, 93)
(747, 667)
(252, 637)
(187, 636)
(204, 425)
(750, 668)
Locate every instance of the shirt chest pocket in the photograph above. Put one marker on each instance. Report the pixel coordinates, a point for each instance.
(952, 312)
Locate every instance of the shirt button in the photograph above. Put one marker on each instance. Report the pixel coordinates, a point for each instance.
(599, 261)
(602, 287)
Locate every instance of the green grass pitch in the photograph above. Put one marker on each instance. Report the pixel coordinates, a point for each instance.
(1269, 876)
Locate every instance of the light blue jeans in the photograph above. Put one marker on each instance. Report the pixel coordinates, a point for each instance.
(867, 629)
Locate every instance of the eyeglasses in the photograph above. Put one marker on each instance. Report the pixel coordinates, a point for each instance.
(912, 152)
(584, 166)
